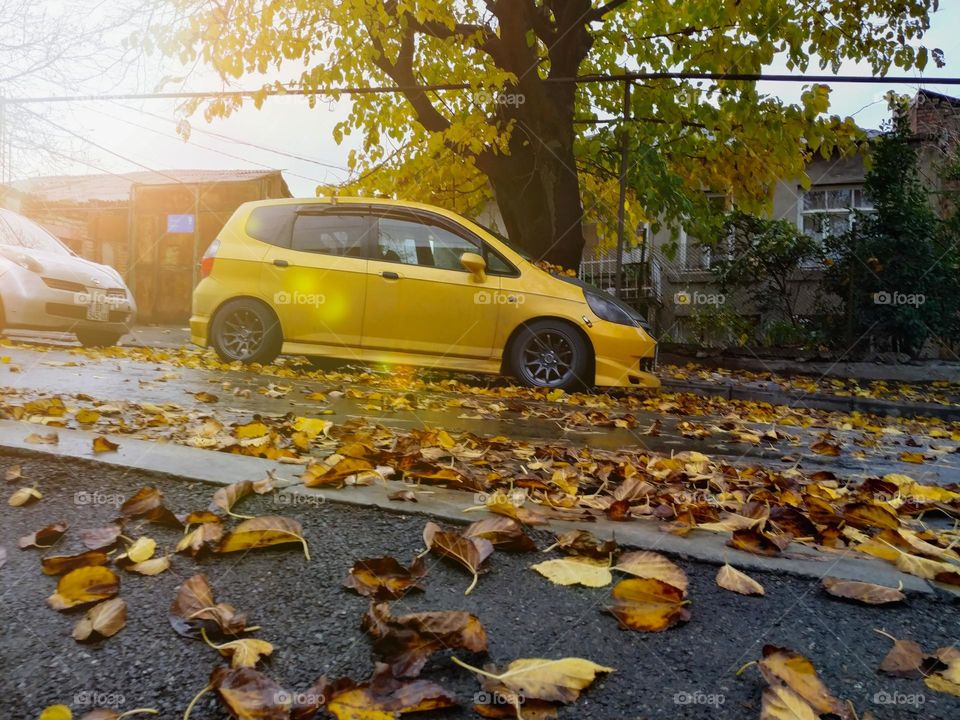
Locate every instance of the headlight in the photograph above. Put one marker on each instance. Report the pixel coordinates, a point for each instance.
(612, 310)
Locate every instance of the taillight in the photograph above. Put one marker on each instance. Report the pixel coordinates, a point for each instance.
(206, 262)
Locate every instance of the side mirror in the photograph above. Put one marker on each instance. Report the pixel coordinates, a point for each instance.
(475, 265)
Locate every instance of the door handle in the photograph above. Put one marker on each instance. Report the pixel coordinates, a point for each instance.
(390, 275)
(281, 263)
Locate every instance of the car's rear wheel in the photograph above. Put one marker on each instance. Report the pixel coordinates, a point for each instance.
(551, 354)
(248, 331)
(90, 337)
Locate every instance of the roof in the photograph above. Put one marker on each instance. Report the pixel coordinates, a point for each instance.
(116, 188)
(939, 96)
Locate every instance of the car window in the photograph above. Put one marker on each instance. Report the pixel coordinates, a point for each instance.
(331, 234)
(496, 265)
(271, 224)
(17, 231)
(414, 243)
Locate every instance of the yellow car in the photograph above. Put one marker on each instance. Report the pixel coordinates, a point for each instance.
(381, 281)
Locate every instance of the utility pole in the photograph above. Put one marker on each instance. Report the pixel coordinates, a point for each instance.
(621, 210)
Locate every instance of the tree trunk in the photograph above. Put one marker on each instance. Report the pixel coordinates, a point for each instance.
(538, 195)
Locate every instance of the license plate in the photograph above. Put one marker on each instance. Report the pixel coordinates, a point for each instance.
(99, 311)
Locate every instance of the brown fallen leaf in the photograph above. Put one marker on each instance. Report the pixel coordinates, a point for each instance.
(648, 605)
(729, 578)
(334, 470)
(863, 592)
(645, 564)
(905, 659)
(247, 695)
(101, 538)
(45, 537)
(503, 532)
(84, 585)
(204, 538)
(754, 542)
(24, 496)
(148, 503)
(194, 611)
(582, 542)
(469, 552)
(870, 515)
(102, 444)
(263, 532)
(226, 497)
(404, 495)
(782, 667)
(103, 620)
(406, 642)
(48, 439)
(824, 447)
(559, 681)
(13, 473)
(384, 697)
(205, 397)
(385, 578)
(60, 564)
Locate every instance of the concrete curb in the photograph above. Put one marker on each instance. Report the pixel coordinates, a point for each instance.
(835, 403)
(217, 468)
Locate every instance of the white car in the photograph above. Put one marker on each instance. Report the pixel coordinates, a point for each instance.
(46, 286)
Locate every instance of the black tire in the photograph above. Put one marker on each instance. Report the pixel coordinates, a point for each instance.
(89, 337)
(551, 354)
(246, 330)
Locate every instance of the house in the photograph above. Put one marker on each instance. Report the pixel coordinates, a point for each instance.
(153, 227)
(669, 277)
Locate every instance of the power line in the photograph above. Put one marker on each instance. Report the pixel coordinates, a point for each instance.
(393, 89)
(228, 138)
(218, 151)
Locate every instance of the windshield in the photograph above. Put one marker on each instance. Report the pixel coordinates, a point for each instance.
(18, 232)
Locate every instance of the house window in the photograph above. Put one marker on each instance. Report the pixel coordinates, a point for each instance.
(830, 211)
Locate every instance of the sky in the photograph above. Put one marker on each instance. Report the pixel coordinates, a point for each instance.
(287, 135)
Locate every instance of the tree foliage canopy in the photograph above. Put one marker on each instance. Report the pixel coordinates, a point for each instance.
(526, 136)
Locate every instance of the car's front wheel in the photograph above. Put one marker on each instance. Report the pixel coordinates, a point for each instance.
(247, 331)
(89, 337)
(551, 354)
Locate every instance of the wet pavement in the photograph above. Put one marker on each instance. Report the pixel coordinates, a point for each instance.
(39, 369)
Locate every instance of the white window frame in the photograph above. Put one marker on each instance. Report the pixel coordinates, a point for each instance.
(849, 212)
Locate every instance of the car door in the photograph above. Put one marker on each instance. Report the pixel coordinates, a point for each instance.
(420, 299)
(317, 278)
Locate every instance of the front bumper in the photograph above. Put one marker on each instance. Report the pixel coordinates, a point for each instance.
(625, 355)
(36, 303)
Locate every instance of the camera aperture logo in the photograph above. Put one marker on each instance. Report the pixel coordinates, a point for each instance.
(685, 298)
(299, 298)
(99, 297)
(896, 299)
(486, 297)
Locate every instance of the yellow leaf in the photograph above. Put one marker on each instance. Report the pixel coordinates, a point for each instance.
(648, 605)
(569, 571)
(84, 585)
(552, 680)
(652, 565)
(729, 578)
(56, 712)
(24, 496)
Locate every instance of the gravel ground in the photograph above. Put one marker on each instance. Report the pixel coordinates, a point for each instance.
(685, 672)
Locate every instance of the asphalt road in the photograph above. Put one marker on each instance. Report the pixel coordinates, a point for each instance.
(686, 672)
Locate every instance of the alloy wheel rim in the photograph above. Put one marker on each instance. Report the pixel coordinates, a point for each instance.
(242, 334)
(548, 359)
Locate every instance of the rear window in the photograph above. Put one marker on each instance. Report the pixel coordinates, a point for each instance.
(272, 223)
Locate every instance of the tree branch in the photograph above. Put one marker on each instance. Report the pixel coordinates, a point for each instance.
(597, 13)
